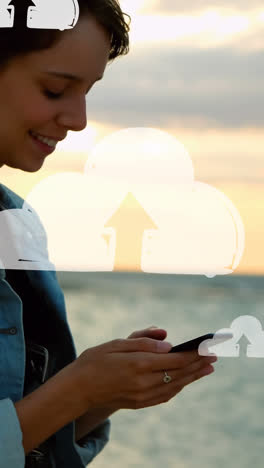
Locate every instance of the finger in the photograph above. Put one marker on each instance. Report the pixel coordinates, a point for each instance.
(151, 332)
(202, 372)
(178, 375)
(147, 345)
(138, 333)
(147, 357)
(167, 391)
(170, 361)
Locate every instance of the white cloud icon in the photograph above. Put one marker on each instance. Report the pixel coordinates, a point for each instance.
(46, 14)
(137, 207)
(248, 336)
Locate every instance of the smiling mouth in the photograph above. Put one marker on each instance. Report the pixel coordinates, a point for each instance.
(43, 147)
(47, 141)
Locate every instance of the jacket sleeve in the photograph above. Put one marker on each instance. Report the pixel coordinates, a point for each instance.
(11, 447)
(93, 443)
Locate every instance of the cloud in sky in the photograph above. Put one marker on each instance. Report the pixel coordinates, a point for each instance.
(161, 85)
(206, 29)
(178, 6)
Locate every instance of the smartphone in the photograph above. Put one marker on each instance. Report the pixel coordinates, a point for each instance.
(193, 345)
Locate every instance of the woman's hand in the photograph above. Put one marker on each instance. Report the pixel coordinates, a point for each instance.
(128, 373)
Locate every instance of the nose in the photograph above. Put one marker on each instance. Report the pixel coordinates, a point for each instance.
(73, 116)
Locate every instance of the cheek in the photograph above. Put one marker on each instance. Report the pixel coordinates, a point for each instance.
(37, 113)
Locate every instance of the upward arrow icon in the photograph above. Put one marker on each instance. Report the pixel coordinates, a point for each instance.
(21, 10)
(130, 221)
(243, 344)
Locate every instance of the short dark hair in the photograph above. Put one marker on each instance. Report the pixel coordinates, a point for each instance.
(21, 40)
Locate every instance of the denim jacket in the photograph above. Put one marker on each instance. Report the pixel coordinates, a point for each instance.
(33, 298)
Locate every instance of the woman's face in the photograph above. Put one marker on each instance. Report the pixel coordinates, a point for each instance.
(25, 105)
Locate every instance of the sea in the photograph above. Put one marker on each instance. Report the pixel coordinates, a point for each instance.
(215, 422)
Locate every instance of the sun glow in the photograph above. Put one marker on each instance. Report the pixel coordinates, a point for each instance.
(209, 26)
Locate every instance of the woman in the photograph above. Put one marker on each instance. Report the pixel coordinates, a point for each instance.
(54, 407)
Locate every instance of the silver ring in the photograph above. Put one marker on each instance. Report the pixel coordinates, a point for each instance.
(167, 378)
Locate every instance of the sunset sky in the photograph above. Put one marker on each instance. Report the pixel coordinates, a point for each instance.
(195, 70)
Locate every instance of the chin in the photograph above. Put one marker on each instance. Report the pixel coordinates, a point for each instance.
(33, 168)
(30, 166)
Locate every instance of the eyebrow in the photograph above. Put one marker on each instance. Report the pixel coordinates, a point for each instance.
(69, 76)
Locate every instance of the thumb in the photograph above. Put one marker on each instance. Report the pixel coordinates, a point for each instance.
(150, 332)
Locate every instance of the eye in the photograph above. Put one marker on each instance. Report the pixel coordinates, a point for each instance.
(51, 95)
